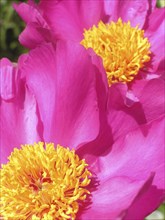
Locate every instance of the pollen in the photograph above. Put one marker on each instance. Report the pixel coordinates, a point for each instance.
(124, 49)
(43, 182)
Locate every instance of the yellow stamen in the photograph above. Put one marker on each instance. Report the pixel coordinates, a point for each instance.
(123, 49)
(43, 183)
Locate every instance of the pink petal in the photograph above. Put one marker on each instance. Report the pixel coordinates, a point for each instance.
(123, 171)
(37, 29)
(137, 154)
(147, 105)
(144, 204)
(69, 18)
(105, 135)
(63, 81)
(29, 13)
(121, 117)
(7, 79)
(19, 122)
(134, 11)
(111, 198)
(34, 35)
(156, 34)
(151, 96)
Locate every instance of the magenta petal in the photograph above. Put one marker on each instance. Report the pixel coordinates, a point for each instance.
(121, 117)
(123, 175)
(69, 18)
(63, 81)
(156, 34)
(29, 13)
(18, 116)
(112, 197)
(104, 139)
(150, 93)
(95, 13)
(34, 35)
(137, 154)
(134, 11)
(144, 204)
(37, 29)
(132, 159)
(63, 19)
(7, 78)
(148, 105)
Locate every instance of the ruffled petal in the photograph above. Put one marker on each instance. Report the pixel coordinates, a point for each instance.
(8, 72)
(137, 154)
(19, 121)
(111, 198)
(130, 161)
(126, 113)
(104, 138)
(125, 110)
(68, 19)
(63, 81)
(156, 35)
(37, 30)
(150, 95)
(34, 35)
(145, 203)
(134, 11)
(29, 13)
(122, 117)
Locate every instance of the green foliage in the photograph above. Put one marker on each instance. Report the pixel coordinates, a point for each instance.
(162, 209)
(161, 3)
(10, 28)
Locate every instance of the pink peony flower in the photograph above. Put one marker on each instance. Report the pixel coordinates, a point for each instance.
(126, 183)
(139, 99)
(59, 93)
(63, 99)
(67, 20)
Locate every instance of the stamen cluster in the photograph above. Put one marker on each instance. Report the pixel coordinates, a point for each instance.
(123, 49)
(41, 182)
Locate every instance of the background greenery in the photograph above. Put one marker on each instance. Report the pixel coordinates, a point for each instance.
(10, 28)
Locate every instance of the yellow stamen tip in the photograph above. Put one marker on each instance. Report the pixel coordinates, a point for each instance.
(123, 49)
(43, 182)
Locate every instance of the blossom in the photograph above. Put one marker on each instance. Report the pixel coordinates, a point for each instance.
(50, 180)
(136, 29)
(55, 20)
(67, 107)
(116, 165)
(118, 185)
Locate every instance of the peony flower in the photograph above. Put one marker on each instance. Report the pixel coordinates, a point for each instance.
(108, 175)
(47, 182)
(128, 36)
(133, 30)
(116, 168)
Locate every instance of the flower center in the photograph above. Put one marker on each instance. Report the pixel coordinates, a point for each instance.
(43, 183)
(123, 49)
